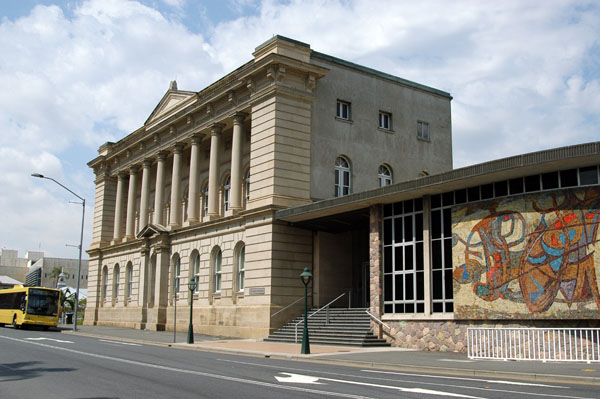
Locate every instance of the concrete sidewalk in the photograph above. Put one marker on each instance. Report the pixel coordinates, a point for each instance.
(391, 359)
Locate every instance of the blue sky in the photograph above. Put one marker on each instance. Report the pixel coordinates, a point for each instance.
(525, 76)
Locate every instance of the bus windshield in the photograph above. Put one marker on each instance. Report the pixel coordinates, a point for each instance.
(42, 302)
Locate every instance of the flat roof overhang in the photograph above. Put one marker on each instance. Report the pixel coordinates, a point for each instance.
(339, 214)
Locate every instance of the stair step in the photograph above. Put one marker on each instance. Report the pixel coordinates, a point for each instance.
(350, 327)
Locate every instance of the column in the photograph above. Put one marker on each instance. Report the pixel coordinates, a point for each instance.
(176, 187)
(236, 162)
(213, 171)
(159, 192)
(145, 193)
(193, 196)
(119, 208)
(130, 224)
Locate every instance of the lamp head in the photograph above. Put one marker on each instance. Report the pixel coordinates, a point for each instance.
(192, 284)
(37, 175)
(306, 276)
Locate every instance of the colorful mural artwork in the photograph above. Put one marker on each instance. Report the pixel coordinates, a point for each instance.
(528, 257)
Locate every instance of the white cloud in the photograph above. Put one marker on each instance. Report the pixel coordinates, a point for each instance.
(524, 76)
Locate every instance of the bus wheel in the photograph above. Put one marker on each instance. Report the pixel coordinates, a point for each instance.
(1, 324)
(15, 325)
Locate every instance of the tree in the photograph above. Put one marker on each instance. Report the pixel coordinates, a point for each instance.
(54, 274)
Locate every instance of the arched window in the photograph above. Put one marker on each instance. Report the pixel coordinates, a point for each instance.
(342, 177)
(226, 193)
(129, 282)
(104, 282)
(176, 275)
(216, 266)
(241, 267)
(384, 175)
(116, 277)
(196, 269)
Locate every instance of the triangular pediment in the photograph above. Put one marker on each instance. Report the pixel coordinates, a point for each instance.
(151, 230)
(169, 102)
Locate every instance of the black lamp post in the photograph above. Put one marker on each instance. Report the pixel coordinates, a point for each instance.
(306, 277)
(192, 286)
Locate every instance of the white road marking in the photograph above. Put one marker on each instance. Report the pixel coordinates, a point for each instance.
(119, 342)
(298, 379)
(312, 380)
(455, 361)
(562, 396)
(49, 339)
(530, 384)
(192, 372)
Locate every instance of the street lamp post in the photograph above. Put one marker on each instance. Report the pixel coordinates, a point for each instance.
(306, 276)
(80, 242)
(192, 286)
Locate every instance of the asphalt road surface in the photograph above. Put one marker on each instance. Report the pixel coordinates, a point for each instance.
(48, 365)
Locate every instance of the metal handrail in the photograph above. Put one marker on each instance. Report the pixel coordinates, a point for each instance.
(318, 310)
(377, 319)
(291, 304)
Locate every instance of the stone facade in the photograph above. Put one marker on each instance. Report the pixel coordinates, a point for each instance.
(194, 192)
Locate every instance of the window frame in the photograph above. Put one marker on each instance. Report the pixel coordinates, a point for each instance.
(383, 177)
(241, 268)
(422, 133)
(343, 110)
(129, 282)
(196, 271)
(226, 193)
(385, 117)
(217, 270)
(341, 188)
(116, 278)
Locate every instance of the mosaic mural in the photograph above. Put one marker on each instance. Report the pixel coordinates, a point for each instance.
(528, 257)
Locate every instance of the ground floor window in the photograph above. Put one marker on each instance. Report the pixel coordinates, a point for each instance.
(403, 268)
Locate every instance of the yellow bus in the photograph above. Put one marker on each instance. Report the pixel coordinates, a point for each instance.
(34, 306)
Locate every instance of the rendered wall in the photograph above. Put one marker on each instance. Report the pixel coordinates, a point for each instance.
(528, 257)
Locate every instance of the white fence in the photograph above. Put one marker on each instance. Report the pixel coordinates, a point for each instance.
(541, 344)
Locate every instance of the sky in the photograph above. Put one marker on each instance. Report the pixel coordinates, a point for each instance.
(74, 74)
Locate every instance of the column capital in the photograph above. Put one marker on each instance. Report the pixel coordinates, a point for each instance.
(162, 155)
(238, 118)
(197, 138)
(147, 162)
(122, 175)
(216, 129)
(178, 148)
(133, 169)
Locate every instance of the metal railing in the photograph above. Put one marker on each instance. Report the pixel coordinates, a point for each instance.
(541, 344)
(291, 304)
(326, 307)
(378, 321)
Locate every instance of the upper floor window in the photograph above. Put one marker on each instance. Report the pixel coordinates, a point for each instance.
(247, 187)
(205, 205)
(385, 120)
(423, 130)
(385, 176)
(342, 177)
(343, 110)
(226, 193)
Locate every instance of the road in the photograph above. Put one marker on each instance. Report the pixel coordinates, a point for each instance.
(41, 364)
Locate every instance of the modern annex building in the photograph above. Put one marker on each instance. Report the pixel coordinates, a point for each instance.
(299, 159)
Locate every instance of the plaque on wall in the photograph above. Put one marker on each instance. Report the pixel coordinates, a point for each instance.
(256, 291)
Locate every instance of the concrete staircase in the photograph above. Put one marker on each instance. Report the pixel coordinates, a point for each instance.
(350, 327)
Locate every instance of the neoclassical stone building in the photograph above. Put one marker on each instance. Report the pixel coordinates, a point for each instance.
(195, 192)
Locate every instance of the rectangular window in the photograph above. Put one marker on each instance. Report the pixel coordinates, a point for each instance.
(423, 130)
(343, 110)
(403, 286)
(441, 256)
(385, 120)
